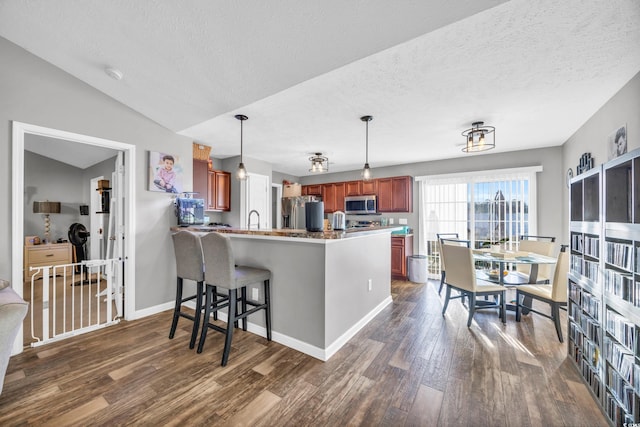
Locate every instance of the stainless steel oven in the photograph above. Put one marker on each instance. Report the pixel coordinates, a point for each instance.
(360, 205)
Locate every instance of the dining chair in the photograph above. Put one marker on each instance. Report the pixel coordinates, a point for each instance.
(222, 272)
(554, 294)
(461, 276)
(440, 237)
(540, 245)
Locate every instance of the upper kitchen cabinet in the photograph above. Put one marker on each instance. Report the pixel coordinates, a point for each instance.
(395, 194)
(333, 197)
(369, 188)
(353, 188)
(219, 191)
(213, 186)
(312, 190)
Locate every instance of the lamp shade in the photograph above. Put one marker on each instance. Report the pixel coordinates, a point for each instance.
(46, 207)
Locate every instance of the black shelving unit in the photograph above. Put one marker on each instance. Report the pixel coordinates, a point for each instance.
(604, 285)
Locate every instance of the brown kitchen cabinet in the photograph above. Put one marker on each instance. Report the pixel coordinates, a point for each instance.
(401, 249)
(369, 188)
(219, 191)
(212, 185)
(312, 190)
(395, 194)
(353, 188)
(333, 197)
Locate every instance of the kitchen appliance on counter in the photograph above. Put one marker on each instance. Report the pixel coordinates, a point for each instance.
(360, 205)
(293, 211)
(314, 216)
(338, 220)
(189, 211)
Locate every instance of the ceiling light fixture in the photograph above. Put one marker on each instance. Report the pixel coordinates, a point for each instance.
(241, 173)
(114, 73)
(479, 138)
(366, 171)
(319, 163)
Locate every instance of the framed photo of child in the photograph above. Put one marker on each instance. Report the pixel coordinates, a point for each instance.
(165, 173)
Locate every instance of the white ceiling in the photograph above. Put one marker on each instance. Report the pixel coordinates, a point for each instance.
(305, 71)
(80, 156)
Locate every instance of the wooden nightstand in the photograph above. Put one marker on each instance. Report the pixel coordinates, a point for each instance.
(43, 255)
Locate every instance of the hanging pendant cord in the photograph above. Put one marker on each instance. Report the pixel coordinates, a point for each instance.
(241, 140)
(367, 143)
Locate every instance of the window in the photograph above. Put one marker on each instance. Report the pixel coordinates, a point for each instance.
(487, 207)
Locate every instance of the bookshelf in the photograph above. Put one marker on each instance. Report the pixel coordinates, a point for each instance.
(604, 285)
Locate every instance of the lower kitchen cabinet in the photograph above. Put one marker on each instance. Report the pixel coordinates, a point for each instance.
(401, 248)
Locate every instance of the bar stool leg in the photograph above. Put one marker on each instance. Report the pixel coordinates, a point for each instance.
(176, 309)
(215, 297)
(267, 310)
(243, 302)
(197, 315)
(233, 300)
(207, 313)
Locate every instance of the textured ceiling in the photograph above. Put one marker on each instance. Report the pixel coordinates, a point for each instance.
(305, 71)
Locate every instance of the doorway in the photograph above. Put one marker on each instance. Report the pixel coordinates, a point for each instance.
(78, 143)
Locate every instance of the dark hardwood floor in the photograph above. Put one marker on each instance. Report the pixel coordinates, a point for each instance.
(408, 366)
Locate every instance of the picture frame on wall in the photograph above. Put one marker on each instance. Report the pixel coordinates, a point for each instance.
(165, 173)
(617, 142)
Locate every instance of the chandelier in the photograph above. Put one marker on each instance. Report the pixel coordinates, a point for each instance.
(319, 163)
(479, 138)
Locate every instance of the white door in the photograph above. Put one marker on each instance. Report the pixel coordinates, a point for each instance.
(257, 197)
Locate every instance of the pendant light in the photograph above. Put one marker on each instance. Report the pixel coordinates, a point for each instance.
(241, 173)
(479, 138)
(366, 171)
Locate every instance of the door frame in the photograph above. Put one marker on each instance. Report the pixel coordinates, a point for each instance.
(278, 202)
(19, 130)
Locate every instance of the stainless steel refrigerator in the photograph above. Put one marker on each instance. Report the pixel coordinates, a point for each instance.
(293, 214)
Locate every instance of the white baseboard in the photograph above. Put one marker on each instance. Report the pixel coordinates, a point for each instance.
(344, 338)
(301, 346)
(139, 314)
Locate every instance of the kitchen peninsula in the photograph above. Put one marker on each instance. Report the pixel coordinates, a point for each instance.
(325, 286)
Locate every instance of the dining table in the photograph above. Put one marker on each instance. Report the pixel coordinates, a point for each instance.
(512, 278)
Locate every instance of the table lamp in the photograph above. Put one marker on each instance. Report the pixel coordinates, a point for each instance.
(46, 208)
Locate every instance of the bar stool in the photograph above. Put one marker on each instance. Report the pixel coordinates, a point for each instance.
(221, 271)
(190, 266)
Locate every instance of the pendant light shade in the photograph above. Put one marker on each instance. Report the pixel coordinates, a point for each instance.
(241, 173)
(366, 171)
(479, 138)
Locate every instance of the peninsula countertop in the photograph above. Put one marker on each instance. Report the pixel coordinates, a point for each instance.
(287, 233)
(325, 285)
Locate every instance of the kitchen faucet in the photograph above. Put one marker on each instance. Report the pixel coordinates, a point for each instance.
(249, 218)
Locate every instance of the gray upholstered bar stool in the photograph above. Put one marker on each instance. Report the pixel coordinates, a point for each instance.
(190, 266)
(221, 272)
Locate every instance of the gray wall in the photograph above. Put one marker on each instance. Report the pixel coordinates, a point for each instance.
(253, 166)
(549, 181)
(48, 179)
(34, 91)
(623, 107)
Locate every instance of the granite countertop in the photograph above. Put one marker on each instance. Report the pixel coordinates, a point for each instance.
(290, 233)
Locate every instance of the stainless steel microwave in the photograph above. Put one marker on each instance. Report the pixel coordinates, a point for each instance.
(360, 205)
